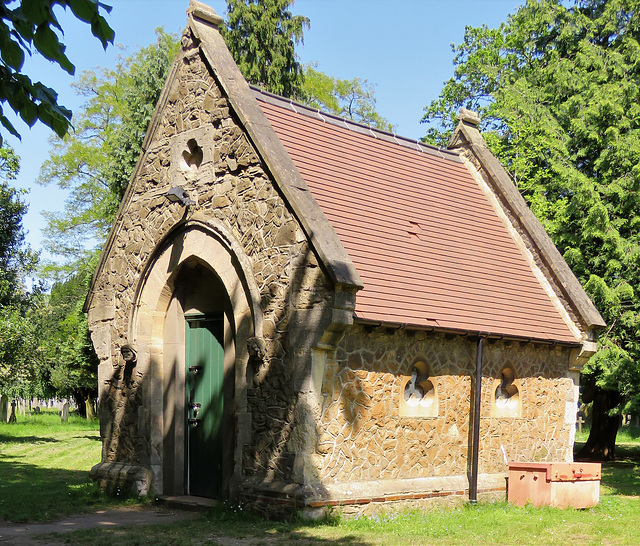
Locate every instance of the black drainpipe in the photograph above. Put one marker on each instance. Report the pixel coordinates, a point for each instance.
(473, 484)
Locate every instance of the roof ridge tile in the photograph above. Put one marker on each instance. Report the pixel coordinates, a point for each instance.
(354, 126)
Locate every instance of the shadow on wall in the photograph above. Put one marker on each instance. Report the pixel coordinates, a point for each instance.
(283, 429)
(273, 370)
(121, 404)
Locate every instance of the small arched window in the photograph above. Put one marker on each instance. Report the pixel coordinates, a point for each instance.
(418, 394)
(506, 395)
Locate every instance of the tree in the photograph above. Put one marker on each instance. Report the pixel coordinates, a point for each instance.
(352, 99)
(96, 159)
(18, 342)
(18, 352)
(31, 27)
(95, 162)
(262, 35)
(68, 362)
(558, 87)
(16, 259)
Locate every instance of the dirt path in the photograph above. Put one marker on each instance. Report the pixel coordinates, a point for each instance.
(24, 534)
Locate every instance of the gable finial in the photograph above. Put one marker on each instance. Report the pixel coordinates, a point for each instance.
(469, 116)
(203, 12)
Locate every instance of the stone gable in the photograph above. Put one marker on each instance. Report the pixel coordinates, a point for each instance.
(231, 187)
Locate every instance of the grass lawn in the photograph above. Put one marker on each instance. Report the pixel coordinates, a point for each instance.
(44, 466)
(615, 521)
(43, 474)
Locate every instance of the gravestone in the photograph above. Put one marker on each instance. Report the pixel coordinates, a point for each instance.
(88, 404)
(12, 417)
(4, 407)
(64, 415)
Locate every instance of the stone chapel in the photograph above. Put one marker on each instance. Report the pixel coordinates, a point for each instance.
(295, 311)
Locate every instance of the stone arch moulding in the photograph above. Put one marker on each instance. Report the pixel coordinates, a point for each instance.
(214, 247)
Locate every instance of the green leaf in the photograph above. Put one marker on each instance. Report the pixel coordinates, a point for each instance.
(85, 10)
(12, 54)
(29, 113)
(101, 30)
(47, 44)
(9, 127)
(36, 12)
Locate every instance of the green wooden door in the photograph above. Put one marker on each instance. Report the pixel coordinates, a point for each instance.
(204, 346)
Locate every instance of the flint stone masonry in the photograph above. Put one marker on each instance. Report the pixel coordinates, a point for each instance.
(365, 439)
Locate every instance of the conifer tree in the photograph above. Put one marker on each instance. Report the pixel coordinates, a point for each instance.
(262, 35)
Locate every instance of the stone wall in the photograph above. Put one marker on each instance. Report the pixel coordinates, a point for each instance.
(199, 145)
(364, 438)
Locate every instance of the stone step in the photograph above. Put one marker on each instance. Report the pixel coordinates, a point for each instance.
(187, 502)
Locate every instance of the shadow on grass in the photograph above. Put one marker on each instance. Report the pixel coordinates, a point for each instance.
(92, 437)
(621, 476)
(222, 525)
(4, 439)
(31, 493)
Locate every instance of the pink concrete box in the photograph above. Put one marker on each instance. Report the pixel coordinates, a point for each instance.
(563, 485)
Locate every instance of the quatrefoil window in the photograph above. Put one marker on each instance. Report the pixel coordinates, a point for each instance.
(192, 156)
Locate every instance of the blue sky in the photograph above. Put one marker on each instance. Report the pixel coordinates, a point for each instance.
(401, 46)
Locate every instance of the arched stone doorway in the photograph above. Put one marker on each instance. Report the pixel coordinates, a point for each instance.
(198, 366)
(197, 294)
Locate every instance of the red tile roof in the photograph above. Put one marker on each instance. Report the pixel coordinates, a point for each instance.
(427, 243)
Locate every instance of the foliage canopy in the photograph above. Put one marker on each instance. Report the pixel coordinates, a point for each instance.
(352, 99)
(558, 88)
(32, 26)
(262, 35)
(18, 342)
(96, 159)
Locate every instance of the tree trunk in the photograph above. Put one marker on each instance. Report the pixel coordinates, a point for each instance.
(601, 444)
(78, 397)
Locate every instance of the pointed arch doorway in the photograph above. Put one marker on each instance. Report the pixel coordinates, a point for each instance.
(198, 306)
(199, 385)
